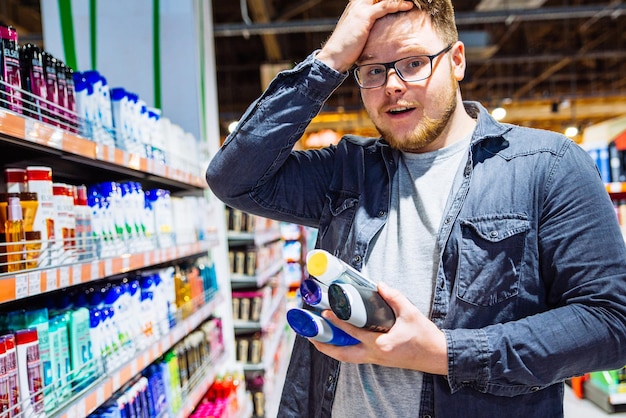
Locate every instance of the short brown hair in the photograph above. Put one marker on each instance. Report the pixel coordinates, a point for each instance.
(441, 13)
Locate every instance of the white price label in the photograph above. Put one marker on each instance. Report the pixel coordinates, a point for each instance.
(100, 152)
(51, 280)
(108, 267)
(146, 259)
(100, 395)
(21, 286)
(125, 263)
(34, 283)
(64, 277)
(81, 409)
(116, 381)
(95, 270)
(56, 139)
(77, 271)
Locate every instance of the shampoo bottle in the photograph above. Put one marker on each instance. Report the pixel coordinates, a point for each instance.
(10, 95)
(328, 269)
(14, 234)
(310, 325)
(361, 307)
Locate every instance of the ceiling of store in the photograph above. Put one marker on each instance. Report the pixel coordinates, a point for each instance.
(551, 63)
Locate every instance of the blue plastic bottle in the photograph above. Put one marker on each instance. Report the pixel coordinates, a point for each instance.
(311, 325)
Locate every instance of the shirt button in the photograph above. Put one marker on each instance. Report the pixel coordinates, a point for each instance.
(356, 259)
(330, 378)
(426, 416)
(535, 388)
(381, 213)
(493, 234)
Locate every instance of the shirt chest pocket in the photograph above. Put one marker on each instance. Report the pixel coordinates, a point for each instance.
(337, 218)
(490, 261)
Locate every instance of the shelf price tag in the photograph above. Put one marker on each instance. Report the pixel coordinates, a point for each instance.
(77, 274)
(125, 263)
(51, 280)
(34, 283)
(108, 267)
(146, 258)
(81, 409)
(21, 286)
(64, 277)
(100, 396)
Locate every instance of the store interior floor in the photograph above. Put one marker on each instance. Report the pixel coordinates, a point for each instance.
(584, 408)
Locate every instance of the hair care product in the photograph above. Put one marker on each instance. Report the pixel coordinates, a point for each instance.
(328, 269)
(14, 235)
(40, 182)
(10, 78)
(52, 88)
(12, 378)
(361, 307)
(33, 81)
(314, 293)
(29, 372)
(311, 325)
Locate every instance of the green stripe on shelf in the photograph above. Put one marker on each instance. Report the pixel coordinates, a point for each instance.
(202, 74)
(93, 32)
(67, 32)
(156, 52)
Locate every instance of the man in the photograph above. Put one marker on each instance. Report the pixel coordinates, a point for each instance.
(496, 246)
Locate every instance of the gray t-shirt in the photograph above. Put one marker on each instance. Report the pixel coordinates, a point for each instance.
(404, 255)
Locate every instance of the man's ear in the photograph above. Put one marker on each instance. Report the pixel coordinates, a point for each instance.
(457, 54)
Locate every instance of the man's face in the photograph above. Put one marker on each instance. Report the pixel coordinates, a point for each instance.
(411, 116)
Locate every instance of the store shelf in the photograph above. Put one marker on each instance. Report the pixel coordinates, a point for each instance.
(109, 384)
(70, 152)
(278, 300)
(257, 238)
(258, 280)
(37, 281)
(279, 379)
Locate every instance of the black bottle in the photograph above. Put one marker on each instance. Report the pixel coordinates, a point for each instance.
(33, 81)
(52, 88)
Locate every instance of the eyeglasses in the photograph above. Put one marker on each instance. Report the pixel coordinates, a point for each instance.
(410, 69)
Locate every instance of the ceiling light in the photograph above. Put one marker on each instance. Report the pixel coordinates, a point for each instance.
(571, 131)
(498, 113)
(232, 126)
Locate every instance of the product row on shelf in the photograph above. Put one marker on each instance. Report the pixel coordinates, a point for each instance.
(108, 281)
(96, 338)
(262, 289)
(39, 85)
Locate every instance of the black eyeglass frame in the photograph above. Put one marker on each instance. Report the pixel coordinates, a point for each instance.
(392, 64)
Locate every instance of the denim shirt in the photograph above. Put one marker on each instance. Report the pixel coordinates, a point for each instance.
(531, 284)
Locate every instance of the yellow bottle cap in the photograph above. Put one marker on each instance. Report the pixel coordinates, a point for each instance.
(317, 263)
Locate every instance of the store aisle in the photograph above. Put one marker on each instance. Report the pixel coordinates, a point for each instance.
(583, 408)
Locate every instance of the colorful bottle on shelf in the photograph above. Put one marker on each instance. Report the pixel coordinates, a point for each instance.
(52, 88)
(39, 180)
(29, 373)
(33, 81)
(10, 78)
(14, 236)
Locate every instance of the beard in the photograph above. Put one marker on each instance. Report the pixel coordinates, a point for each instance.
(428, 129)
